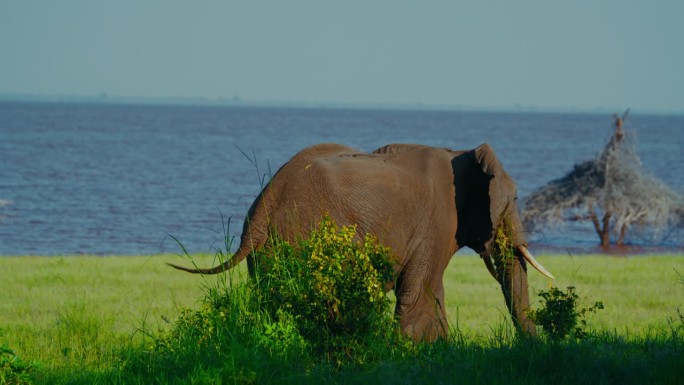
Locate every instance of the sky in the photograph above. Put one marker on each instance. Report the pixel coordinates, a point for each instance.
(583, 54)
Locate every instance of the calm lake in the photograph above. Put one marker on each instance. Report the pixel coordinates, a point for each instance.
(119, 179)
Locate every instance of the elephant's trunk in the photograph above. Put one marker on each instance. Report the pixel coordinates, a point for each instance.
(512, 275)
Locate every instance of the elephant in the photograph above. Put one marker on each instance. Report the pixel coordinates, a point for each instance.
(424, 203)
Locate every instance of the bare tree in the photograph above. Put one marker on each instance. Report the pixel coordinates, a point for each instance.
(613, 191)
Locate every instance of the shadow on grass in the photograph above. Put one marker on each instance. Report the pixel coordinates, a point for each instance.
(598, 359)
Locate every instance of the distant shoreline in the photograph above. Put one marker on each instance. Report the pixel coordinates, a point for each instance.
(238, 102)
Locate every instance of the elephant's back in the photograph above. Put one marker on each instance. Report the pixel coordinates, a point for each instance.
(318, 151)
(290, 199)
(298, 170)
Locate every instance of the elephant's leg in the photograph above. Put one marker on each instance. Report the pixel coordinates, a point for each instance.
(420, 309)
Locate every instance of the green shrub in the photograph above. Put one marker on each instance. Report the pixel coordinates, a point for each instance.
(14, 370)
(321, 300)
(330, 286)
(560, 316)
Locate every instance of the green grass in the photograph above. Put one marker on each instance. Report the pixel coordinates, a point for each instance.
(81, 318)
(78, 310)
(639, 292)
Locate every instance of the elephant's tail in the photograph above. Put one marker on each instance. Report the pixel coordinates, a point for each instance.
(254, 237)
(227, 265)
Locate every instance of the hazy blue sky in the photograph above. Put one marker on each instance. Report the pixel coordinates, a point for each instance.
(566, 54)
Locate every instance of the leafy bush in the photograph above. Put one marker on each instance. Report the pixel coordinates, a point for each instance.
(13, 370)
(331, 287)
(559, 315)
(328, 281)
(320, 300)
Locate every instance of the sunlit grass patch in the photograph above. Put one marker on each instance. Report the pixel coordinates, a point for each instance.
(638, 292)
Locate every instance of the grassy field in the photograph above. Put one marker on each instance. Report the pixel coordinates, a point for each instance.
(639, 292)
(62, 310)
(77, 314)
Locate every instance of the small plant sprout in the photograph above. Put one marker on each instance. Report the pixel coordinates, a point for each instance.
(560, 317)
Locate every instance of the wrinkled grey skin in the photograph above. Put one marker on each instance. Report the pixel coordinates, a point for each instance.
(425, 203)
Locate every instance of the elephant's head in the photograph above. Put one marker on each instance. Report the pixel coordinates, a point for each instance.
(487, 209)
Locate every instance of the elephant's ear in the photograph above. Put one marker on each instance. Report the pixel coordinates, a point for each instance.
(486, 158)
(501, 190)
(497, 190)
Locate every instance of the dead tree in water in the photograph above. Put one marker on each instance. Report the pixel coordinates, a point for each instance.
(612, 191)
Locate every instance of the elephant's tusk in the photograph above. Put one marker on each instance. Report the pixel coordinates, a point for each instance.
(529, 258)
(488, 262)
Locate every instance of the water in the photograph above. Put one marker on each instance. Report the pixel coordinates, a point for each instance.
(118, 179)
